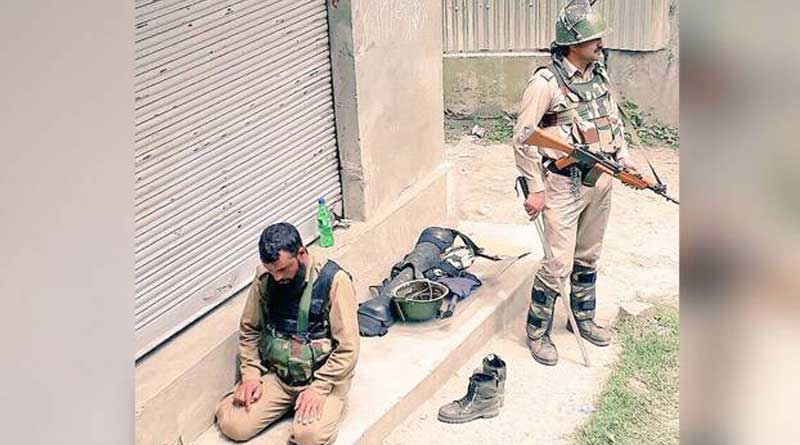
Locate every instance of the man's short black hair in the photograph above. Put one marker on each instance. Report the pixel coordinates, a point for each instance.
(277, 237)
(559, 50)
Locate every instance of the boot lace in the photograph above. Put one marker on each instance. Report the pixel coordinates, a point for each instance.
(466, 401)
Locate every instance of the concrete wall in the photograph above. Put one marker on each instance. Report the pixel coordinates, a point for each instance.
(652, 79)
(391, 131)
(490, 84)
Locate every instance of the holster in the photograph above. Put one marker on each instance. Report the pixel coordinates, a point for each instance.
(589, 179)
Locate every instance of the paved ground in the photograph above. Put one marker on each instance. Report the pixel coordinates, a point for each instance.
(640, 261)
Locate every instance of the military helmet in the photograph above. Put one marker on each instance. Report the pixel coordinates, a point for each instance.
(419, 300)
(577, 23)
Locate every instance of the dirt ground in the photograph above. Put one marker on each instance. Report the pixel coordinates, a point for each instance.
(640, 262)
(643, 231)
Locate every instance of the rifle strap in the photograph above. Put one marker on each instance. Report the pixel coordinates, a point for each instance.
(637, 141)
(628, 123)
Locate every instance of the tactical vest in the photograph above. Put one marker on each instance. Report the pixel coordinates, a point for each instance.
(589, 109)
(296, 338)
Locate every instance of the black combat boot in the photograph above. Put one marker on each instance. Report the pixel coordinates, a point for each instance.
(583, 301)
(494, 365)
(540, 324)
(482, 400)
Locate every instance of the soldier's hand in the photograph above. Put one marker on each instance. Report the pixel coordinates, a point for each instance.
(534, 204)
(631, 165)
(247, 393)
(308, 407)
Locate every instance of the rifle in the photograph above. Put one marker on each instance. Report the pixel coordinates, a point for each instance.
(596, 163)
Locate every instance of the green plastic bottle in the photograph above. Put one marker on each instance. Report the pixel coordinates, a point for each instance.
(324, 224)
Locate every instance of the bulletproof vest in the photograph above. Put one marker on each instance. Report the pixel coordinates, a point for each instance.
(284, 310)
(296, 338)
(589, 110)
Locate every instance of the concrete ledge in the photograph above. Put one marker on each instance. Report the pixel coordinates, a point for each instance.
(398, 372)
(178, 384)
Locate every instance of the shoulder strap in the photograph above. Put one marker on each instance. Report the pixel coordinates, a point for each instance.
(443, 267)
(479, 251)
(562, 82)
(322, 287)
(305, 305)
(637, 140)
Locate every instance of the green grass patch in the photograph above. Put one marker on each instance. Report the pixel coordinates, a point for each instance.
(640, 402)
(651, 131)
(500, 130)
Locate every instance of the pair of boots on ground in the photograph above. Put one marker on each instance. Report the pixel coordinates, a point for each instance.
(485, 393)
(582, 302)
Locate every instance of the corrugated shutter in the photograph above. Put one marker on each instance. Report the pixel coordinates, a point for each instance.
(234, 130)
(471, 26)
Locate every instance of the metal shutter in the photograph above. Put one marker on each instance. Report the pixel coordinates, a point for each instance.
(234, 130)
(473, 26)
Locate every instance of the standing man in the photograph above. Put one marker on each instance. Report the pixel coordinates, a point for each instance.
(571, 100)
(298, 342)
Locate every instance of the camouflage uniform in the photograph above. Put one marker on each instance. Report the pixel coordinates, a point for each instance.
(578, 107)
(332, 379)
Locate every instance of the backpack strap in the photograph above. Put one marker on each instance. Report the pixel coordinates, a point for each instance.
(443, 267)
(320, 295)
(265, 285)
(479, 251)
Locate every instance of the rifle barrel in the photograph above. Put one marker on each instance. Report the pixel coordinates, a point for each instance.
(664, 195)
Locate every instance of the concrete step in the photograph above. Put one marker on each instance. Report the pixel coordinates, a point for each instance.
(398, 372)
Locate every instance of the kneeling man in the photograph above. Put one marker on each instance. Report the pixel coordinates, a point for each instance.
(298, 344)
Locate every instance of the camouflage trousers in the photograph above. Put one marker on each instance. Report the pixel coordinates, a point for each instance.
(277, 398)
(575, 220)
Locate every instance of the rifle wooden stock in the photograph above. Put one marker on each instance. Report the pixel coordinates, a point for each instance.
(631, 179)
(541, 139)
(626, 177)
(565, 162)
